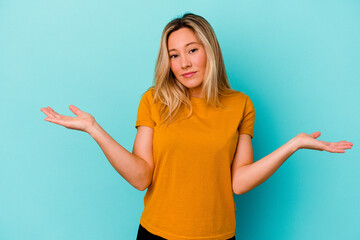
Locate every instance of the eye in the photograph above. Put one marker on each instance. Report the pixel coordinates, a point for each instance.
(173, 56)
(193, 50)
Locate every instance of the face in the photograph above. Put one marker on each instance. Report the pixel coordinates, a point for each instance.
(187, 59)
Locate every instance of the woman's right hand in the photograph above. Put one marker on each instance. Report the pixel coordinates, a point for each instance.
(83, 121)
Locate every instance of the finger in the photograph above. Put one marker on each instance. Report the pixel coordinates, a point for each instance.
(335, 150)
(48, 113)
(56, 121)
(331, 147)
(339, 143)
(75, 110)
(53, 112)
(345, 142)
(315, 134)
(341, 148)
(44, 111)
(343, 145)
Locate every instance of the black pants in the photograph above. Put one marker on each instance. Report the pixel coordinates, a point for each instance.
(144, 234)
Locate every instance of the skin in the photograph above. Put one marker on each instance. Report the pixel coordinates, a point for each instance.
(187, 54)
(137, 169)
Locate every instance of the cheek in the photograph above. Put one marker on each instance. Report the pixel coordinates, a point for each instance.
(174, 68)
(201, 61)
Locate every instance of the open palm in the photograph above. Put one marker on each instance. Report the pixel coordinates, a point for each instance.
(83, 121)
(309, 141)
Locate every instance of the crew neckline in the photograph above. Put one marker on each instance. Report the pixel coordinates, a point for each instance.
(197, 98)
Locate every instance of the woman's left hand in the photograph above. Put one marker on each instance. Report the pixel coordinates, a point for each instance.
(309, 141)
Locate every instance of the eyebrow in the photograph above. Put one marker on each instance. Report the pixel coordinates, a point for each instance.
(185, 45)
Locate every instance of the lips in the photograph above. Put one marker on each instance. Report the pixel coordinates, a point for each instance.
(189, 74)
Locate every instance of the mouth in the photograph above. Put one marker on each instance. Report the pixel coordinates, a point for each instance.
(189, 74)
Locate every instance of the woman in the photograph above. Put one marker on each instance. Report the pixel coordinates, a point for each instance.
(193, 145)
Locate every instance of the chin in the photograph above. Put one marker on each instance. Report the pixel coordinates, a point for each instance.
(190, 83)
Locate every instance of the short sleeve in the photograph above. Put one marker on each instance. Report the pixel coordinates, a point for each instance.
(144, 111)
(248, 121)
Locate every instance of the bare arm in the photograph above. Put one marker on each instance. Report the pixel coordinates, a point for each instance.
(131, 166)
(247, 174)
(252, 175)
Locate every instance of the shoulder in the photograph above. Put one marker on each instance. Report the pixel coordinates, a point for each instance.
(237, 96)
(148, 94)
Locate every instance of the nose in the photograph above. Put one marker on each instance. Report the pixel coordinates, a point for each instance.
(185, 62)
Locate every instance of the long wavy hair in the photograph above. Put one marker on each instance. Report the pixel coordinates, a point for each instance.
(172, 94)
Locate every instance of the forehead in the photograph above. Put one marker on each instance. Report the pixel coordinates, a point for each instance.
(179, 38)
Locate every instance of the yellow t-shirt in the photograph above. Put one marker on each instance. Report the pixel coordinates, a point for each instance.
(191, 195)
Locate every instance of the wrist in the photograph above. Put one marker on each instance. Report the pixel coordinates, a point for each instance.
(93, 129)
(295, 143)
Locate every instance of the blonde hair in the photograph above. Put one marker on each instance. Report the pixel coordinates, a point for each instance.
(169, 91)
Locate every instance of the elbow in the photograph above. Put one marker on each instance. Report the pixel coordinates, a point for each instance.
(238, 189)
(237, 192)
(241, 192)
(143, 187)
(144, 178)
(241, 189)
(144, 183)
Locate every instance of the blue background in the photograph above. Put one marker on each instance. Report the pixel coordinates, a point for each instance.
(299, 61)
